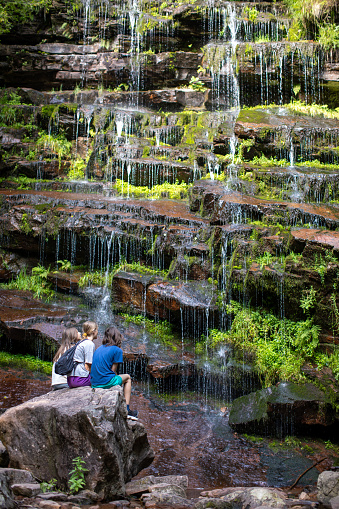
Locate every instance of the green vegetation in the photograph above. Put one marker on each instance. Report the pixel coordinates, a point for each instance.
(96, 278)
(262, 39)
(77, 475)
(11, 98)
(268, 162)
(197, 84)
(27, 362)
(265, 259)
(321, 263)
(65, 265)
(102, 278)
(48, 486)
(77, 170)
(161, 331)
(329, 36)
(308, 16)
(332, 447)
(22, 181)
(141, 269)
(36, 283)
(20, 11)
(55, 145)
(250, 13)
(271, 162)
(313, 110)
(279, 348)
(308, 300)
(173, 191)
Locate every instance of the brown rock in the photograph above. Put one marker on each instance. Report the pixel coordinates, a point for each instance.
(142, 485)
(45, 434)
(26, 489)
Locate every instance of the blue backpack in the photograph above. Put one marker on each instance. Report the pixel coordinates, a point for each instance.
(65, 364)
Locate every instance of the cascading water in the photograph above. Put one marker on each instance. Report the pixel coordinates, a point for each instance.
(231, 237)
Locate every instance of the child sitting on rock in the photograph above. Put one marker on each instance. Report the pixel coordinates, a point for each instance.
(69, 338)
(83, 356)
(105, 365)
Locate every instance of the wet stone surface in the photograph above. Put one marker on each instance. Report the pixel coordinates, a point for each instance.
(189, 438)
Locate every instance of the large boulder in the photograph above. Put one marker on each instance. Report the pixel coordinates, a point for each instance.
(328, 486)
(45, 434)
(285, 409)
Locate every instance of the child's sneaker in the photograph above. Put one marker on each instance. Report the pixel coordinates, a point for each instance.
(132, 414)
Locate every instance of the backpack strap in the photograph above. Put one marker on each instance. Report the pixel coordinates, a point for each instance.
(76, 344)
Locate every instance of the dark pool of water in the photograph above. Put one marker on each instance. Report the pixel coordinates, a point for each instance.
(190, 437)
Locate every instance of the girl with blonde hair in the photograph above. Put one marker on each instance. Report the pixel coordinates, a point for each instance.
(83, 356)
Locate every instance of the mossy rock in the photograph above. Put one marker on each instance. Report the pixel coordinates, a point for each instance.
(287, 409)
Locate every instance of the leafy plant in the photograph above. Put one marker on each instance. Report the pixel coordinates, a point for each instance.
(278, 347)
(55, 145)
(320, 264)
(36, 283)
(265, 259)
(272, 161)
(294, 257)
(20, 11)
(77, 170)
(308, 300)
(308, 15)
(48, 486)
(12, 98)
(65, 265)
(123, 87)
(197, 84)
(314, 110)
(333, 447)
(77, 475)
(251, 13)
(292, 441)
(329, 36)
(262, 39)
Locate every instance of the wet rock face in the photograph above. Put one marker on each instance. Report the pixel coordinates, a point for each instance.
(45, 434)
(286, 409)
(30, 326)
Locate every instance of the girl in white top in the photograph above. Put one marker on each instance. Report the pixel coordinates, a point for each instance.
(69, 338)
(83, 356)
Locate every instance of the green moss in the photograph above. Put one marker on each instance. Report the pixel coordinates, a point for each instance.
(177, 191)
(49, 110)
(25, 223)
(146, 151)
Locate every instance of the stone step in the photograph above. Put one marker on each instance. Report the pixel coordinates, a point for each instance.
(223, 206)
(284, 133)
(311, 239)
(295, 184)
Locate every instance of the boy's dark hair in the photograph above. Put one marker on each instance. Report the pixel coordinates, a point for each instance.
(112, 337)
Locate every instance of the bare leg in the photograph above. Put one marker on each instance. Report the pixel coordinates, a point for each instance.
(126, 379)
